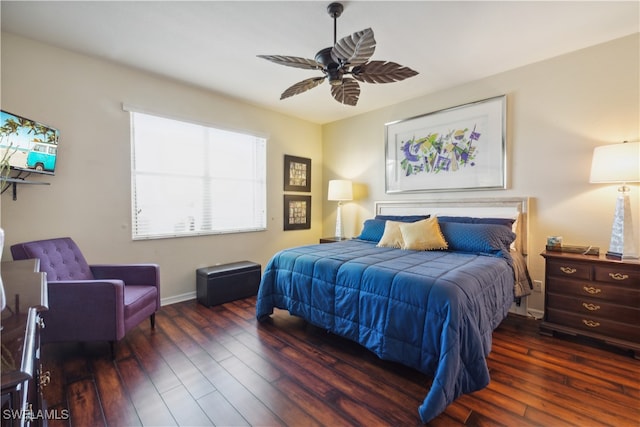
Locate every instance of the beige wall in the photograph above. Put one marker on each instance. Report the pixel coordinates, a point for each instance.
(89, 197)
(558, 111)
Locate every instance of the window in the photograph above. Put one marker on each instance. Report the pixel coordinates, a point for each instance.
(188, 179)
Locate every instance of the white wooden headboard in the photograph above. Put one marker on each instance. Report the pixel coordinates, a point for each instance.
(513, 207)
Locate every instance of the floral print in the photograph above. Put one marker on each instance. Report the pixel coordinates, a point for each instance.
(440, 152)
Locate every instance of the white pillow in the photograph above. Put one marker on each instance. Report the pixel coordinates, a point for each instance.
(424, 235)
(392, 236)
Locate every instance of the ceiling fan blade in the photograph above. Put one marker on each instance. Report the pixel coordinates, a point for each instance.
(354, 49)
(346, 93)
(382, 72)
(302, 86)
(293, 61)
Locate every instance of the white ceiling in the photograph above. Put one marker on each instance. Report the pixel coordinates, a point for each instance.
(213, 44)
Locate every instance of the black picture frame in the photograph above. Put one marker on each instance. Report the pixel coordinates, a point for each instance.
(297, 174)
(297, 212)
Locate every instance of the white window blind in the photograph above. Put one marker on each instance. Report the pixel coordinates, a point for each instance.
(189, 179)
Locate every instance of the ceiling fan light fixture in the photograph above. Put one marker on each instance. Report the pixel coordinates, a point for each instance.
(349, 55)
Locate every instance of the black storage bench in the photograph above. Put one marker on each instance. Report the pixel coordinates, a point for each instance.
(227, 282)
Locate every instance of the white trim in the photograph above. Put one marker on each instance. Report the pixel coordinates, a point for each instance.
(178, 298)
(151, 112)
(519, 309)
(536, 314)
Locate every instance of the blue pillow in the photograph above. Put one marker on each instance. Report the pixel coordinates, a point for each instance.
(372, 230)
(492, 239)
(402, 218)
(508, 222)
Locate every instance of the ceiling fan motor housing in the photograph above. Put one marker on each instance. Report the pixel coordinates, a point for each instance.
(329, 66)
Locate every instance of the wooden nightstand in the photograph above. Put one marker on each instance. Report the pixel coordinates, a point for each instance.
(332, 239)
(593, 297)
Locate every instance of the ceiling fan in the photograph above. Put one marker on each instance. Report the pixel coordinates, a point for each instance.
(348, 56)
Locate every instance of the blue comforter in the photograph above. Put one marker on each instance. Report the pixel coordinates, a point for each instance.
(433, 311)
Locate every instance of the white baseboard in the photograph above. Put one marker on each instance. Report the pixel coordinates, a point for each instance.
(178, 298)
(536, 314)
(519, 309)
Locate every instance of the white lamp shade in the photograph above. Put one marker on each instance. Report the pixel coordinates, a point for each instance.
(616, 163)
(340, 189)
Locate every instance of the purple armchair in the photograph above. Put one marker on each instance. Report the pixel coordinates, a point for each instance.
(91, 302)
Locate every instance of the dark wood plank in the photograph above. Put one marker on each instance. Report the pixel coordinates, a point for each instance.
(277, 402)
(150, 359)
(84, 404)
(184, 408)
(247, 404)
(116, 406)
(220, 411)
(219, 366)
(150, 407)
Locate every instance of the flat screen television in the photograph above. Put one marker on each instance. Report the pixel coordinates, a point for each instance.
(32, 146)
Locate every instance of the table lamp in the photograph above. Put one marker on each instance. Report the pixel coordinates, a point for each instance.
(619, 163)
(340, 190)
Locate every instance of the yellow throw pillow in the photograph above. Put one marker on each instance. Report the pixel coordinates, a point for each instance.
(392, 237)
(422, 235)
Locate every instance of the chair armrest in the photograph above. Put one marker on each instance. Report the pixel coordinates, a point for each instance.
(87, 292)
(85, 310)
(130, 274)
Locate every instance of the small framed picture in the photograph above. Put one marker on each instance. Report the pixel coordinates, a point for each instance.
(297, 174)
(554, 242)
(297, 212)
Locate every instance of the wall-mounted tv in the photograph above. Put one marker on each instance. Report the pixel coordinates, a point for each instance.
(32, 146)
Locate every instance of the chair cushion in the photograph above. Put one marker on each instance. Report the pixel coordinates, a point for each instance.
(60, 258)
(136, 298)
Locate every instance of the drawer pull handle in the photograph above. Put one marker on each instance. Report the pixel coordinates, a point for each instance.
(45, 378)
(591, 323)
(618, 276)
(591, 290)
(591, 307)
(568, 270)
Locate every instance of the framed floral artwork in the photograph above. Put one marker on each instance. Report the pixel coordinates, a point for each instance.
(457, 149)
(297, 173)
(297, 212)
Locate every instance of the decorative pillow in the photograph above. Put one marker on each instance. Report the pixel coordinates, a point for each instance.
(392, 237)
(477, 238)
(507, 222)
(402, 218)
(372, 230)
(422, 235)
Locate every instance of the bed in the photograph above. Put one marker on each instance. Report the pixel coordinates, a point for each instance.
(428, 306)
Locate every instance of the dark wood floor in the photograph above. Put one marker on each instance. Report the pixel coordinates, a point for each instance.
(218, 366)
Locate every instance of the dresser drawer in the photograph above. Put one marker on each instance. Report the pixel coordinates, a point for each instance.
(568, 268)
(594, 325)
(594, 308)
(592, 296)
(597, 290)
(618, 275)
